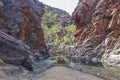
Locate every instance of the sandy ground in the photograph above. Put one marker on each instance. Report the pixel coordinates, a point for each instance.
(64, 73)
(10, 72)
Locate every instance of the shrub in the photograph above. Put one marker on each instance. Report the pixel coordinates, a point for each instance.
(61, 59)
(51, 36)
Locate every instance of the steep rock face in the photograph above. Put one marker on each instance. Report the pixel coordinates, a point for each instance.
(98, 23)
(22, 20)
(12, 51)
(82, 17)
(21, 36)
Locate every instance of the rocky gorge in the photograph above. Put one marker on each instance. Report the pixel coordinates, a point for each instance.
(97, 30)
(24, 54)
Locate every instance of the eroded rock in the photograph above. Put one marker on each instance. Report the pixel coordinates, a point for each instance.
(22, 20)
(21, 35)
(97, 23)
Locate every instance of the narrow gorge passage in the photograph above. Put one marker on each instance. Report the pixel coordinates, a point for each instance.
(40, 42)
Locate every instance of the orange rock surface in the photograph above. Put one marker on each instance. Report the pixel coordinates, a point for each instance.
(97, 20)
(22, 20)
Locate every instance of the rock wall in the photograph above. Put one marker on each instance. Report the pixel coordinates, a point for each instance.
(98, 23)
(22, 20)
(21, 35)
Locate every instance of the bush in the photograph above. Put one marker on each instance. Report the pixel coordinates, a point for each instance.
(61, 59)
(51, 36)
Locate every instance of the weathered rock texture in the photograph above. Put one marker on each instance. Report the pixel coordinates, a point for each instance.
(22, 20)
(98, 23)
(11, 50)
(21, 35)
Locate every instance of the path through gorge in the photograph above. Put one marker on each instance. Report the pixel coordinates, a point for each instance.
(39, 42)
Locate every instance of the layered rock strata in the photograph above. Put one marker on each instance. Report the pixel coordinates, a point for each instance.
(22, 20)
(21, 35)
(98, 23)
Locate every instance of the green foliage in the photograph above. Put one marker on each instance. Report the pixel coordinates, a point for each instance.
(50, 25)
(62, 58)
(50, 33)
(52, 30)
(52, 16)
(49, 19)
(51, 36)
(68, 38)
(55, 28)
(70, 28)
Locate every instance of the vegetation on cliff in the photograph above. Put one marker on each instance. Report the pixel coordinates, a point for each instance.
(53, 16)
(57, 26)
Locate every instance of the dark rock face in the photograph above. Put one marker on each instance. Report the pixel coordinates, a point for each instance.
(15, 52)
(98, 23)
(12, 51)
(21, 35)
(22, 20)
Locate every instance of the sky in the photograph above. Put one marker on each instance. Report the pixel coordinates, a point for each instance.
(67, 5)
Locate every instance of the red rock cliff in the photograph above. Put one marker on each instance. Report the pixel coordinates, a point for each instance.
(22, 20)
(98, 22)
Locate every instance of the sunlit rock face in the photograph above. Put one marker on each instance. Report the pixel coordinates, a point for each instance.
(98, 23)
(21, 35)
(22, 20)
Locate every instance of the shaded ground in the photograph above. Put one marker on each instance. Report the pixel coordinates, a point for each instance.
(64, 73)
(54, 73)
(49, 70)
